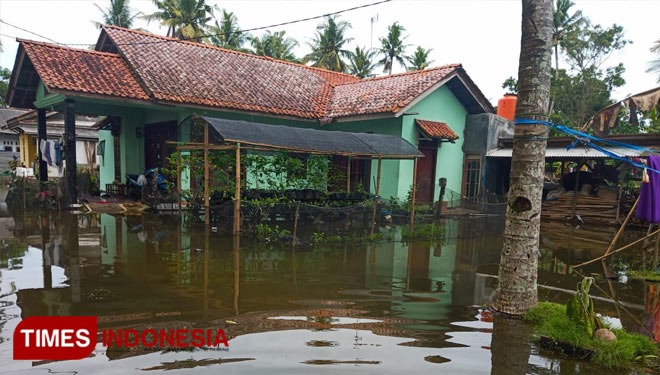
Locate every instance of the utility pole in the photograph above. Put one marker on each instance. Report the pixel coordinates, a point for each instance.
(371, 38)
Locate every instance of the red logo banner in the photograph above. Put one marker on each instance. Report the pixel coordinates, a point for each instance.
(55, 337)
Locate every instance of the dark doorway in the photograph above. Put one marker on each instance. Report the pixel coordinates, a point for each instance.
(426, 171)
(156, 149)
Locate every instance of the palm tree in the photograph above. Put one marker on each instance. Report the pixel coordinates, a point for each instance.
(362, 62)
(275, 45)
(562, 23)
(420, 59)
(392, 47)
(654, 65)
(227, 34)
(184, 19)
(328, 45)
(118, 14)
(518, 270)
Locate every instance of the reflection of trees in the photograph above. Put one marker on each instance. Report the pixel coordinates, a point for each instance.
(510, 346)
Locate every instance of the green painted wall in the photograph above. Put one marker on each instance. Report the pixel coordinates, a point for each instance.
(440, 105)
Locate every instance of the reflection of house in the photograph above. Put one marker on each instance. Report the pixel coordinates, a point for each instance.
(25, 125)
(147, 84)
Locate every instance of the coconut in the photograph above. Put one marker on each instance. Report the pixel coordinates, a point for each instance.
(605, 335)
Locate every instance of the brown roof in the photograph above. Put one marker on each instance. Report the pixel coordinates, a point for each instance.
(384, 94)
(435, 129)
(139, 65)
(81, 70)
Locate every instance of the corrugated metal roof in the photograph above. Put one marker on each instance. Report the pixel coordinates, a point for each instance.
(578, 152)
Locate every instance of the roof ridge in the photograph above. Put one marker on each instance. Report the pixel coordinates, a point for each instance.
(403, 74)
(267, 58)
(52, 45)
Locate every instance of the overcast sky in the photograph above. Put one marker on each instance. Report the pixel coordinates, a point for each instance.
(483, 35)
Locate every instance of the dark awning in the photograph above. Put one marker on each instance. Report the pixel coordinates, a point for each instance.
(312, 140)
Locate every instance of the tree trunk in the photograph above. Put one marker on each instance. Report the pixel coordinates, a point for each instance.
(518, 263)
(556, 61)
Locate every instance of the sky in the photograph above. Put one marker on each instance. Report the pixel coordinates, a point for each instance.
(483, 35)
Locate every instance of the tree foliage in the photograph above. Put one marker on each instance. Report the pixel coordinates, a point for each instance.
(118, 13)
(276, 45)
(362, 62)
(5, 75)
(328, 45)
(392, 47)
(564, 22)
(419, 60)
(184, 19)
(654, 65)
(226, 33)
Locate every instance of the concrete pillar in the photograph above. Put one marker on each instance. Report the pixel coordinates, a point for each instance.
(70, 178)
(41, 135)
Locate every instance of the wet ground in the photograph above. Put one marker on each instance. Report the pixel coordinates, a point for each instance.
(386, 307)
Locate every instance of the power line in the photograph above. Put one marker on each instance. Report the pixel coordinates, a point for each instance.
(28, 31)
(219, 33)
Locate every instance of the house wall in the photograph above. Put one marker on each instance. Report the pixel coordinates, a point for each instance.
(107, 161)
(9, 142)
(28, 149)
(441, 105)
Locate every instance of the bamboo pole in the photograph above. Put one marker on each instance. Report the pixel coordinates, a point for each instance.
(178, 179)
(207, 218)
(575, 189)
(237, 192)
(414, 192)
(237, 271)
(617, 250)
(378, 177)
(348, 175)
(295, 227)
(623, 225)
(373, 216)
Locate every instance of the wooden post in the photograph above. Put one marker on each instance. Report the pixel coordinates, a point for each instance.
(414, 192)
(623, 225)
(295, 227)
(373, 216)
(205, 301)
(178, 178)
(207, 219)
(378, 178)
(41, 136)
(237, 271)
(575, 189)
(348, 175)
(71, 185)
(237, 192)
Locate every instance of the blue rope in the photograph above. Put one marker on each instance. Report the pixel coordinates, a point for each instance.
(584, 137)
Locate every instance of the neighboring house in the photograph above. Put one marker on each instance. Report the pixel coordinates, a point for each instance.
(148, 84)
(8, 139)
(24, 126)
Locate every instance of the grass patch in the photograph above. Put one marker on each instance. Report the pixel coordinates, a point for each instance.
(644, 275)
(628, 350)
(424, 232)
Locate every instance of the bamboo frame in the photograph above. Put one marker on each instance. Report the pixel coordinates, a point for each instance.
(207, 219)
(237, 192)
(348, 175)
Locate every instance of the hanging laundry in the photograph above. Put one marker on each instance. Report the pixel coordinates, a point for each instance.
(648, 207)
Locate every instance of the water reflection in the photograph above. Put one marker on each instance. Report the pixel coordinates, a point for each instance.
(387, 307)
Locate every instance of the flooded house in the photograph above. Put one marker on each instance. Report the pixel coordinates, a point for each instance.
(145, 86)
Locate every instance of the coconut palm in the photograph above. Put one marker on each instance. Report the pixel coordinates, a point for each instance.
(518, 270)
(276, 45)
(226, 33)
(562, 23)
(328, 45)
(419, 59)
(654, 65)
(361, 62)
(184, 19)
(392, 47)
(118, 14)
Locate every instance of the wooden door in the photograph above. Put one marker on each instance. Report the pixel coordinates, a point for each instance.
(426, 172)
(156, 149)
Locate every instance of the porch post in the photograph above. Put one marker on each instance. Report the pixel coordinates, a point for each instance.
(348, 175)
(378, 178)
(237, 192)
(207, 219)
(41, 136)
(414, 192)
(71, 183)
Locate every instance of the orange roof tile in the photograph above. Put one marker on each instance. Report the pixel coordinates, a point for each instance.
(436, 129)
(82, 70)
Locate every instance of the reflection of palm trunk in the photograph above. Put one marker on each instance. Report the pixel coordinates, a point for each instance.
(510, 346)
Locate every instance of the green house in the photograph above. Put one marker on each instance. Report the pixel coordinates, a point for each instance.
(147, 85)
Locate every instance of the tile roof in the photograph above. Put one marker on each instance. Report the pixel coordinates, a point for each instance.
(81, 70)
(384, 94)
(436, 129)
(187, 72)
(140, 65)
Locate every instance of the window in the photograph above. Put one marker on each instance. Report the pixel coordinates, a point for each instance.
(471, 175)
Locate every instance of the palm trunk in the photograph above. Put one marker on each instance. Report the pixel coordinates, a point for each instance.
(518, 263)
(556, 61)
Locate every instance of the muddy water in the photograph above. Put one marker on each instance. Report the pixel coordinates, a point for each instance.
(389, 307)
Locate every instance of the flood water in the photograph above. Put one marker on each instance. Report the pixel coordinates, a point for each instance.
(387, 307)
